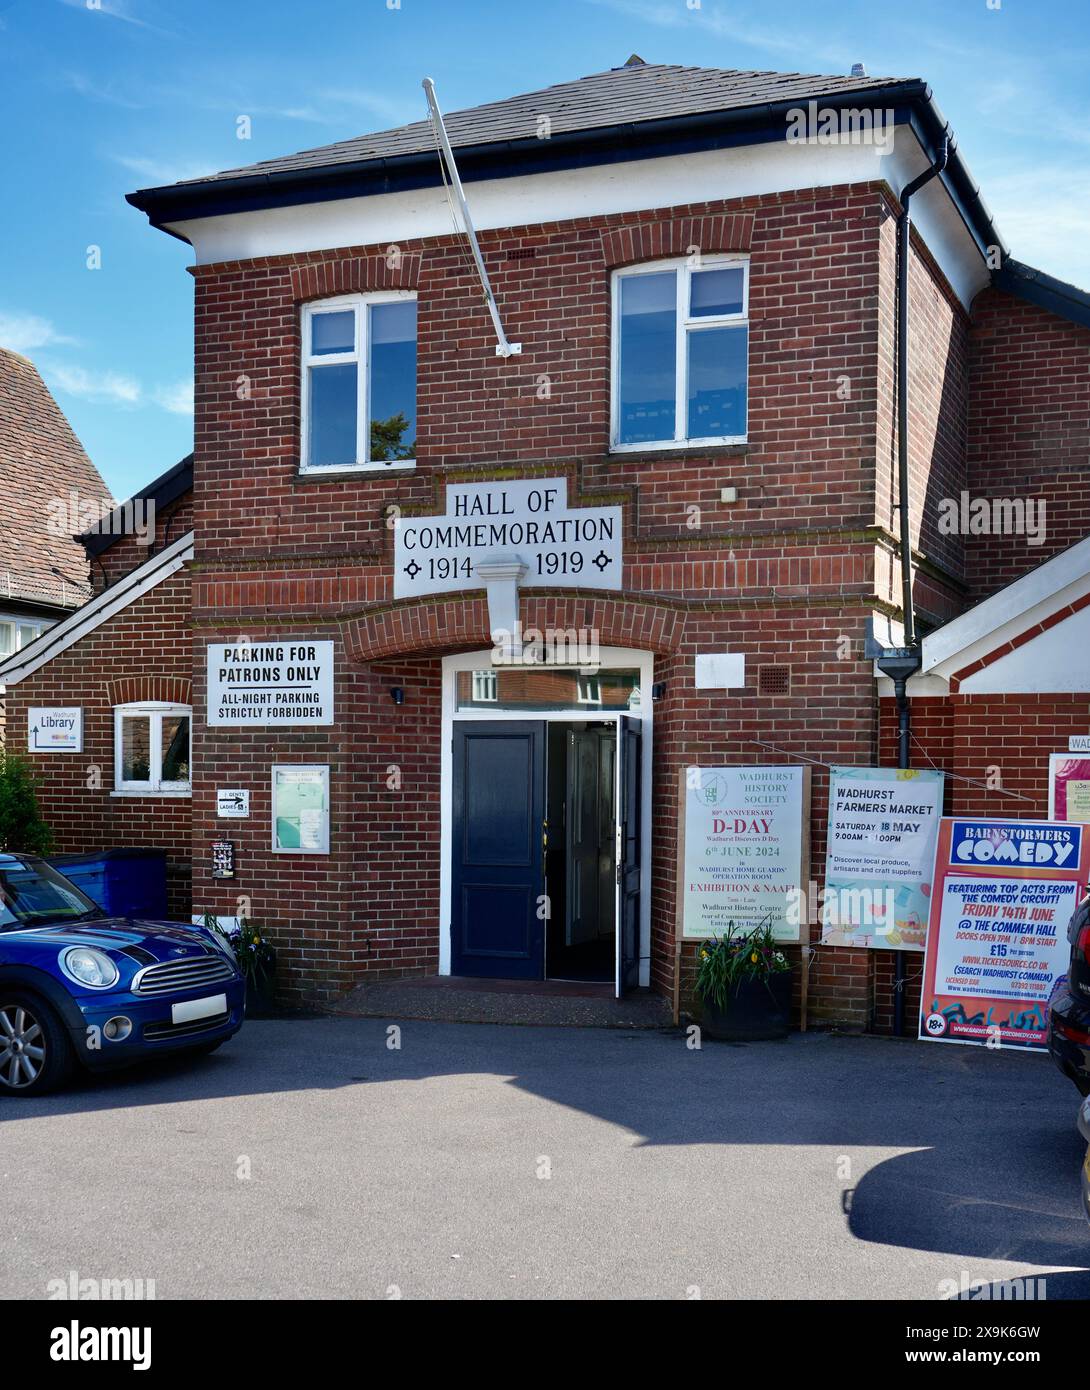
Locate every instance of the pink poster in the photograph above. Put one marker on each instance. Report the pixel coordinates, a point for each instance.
(1069, 787)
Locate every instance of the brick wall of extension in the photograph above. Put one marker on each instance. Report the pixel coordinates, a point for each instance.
(789, 575)
(129, 552)
(1029, 431)
(143, 653)
(994, 750)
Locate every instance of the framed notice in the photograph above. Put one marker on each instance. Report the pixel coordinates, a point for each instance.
(744, 851)
(300, 808)
(1004, 892)
(1069, 787)
(883, 824)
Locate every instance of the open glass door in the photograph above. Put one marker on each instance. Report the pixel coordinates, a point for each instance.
(627, 801)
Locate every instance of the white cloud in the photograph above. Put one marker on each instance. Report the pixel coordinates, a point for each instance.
(159, 172)
(177, 399)
(718, 24)
(26, 332)
(1043, 212)
(111, 388)
(114, 9)
(93, 91)
(385, 109)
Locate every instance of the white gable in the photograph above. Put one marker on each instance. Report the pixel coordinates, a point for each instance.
(1056, 660)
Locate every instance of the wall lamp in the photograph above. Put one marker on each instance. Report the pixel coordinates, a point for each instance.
(397, 694)
(658, 690)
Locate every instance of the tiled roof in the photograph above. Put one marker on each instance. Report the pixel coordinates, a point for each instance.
(41, 463)
(624, 96)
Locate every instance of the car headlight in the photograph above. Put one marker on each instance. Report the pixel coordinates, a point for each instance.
(87, 966)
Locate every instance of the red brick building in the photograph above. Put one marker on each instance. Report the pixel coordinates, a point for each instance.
(123, 660)
(50, 487)
(693, 454)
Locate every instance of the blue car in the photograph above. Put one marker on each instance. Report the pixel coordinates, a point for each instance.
(79, 987)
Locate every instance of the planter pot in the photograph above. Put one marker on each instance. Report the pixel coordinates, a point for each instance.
(754, 1012)
(261, 997)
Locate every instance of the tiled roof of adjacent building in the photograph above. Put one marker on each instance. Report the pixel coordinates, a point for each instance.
(42, 464)
(624, 96)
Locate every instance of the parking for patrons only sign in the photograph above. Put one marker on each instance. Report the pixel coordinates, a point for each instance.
(286, 684)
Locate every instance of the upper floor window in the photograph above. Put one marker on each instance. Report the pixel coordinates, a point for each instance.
(359, 382)
(16, 634)
(151, 748)
(680, 353)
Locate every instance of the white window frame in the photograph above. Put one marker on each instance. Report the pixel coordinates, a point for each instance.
(154, 710)
(14, 621)
(684, 325)
(360, 304)
(588, 689)
(485, 686)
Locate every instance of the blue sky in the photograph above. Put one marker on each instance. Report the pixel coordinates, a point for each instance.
(99, 97)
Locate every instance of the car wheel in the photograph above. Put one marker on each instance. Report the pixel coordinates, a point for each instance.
(35, 1054)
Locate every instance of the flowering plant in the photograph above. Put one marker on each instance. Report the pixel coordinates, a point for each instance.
(255, 957)
(726, 961)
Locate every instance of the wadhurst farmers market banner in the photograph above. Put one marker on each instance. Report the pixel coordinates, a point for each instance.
(745, 853)
(997, 941)
(883, 824)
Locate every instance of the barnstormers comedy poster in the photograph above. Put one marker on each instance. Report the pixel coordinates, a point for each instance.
(745, 851)
(883, 822)
(1004, 893)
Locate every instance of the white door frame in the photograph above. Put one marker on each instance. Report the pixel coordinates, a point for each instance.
(610, 658)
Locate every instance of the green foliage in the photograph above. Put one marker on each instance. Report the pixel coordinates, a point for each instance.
(256, 958)
(386, 445)
(21, 825)
(726, 961)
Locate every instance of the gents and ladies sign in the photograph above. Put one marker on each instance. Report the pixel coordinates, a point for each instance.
(883, 823)
(997, 940)
(745, 850)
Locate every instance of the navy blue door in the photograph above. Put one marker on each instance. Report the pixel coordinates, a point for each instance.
(497, 878)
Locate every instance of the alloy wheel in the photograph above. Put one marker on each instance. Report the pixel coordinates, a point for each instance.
(22, 1046)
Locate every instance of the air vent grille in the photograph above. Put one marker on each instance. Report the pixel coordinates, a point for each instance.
(774, 680)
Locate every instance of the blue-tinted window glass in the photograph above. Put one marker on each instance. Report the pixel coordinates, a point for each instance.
(646, 392)
(716, 291)
(717, 382)
(333, 332)
(393, 381)
(332, 415)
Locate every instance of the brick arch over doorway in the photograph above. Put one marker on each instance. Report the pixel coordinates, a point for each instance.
(455, 623)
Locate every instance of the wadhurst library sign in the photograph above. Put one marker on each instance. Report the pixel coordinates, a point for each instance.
(540, 612)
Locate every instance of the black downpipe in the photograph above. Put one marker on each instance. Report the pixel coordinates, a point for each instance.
(910, 654)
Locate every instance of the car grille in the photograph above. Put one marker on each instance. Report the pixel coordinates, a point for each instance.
(174, 976)
(156, 1032)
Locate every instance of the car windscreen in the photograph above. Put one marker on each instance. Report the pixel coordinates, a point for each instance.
(35, 893)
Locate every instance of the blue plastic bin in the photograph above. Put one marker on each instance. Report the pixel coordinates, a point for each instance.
(123, 882)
